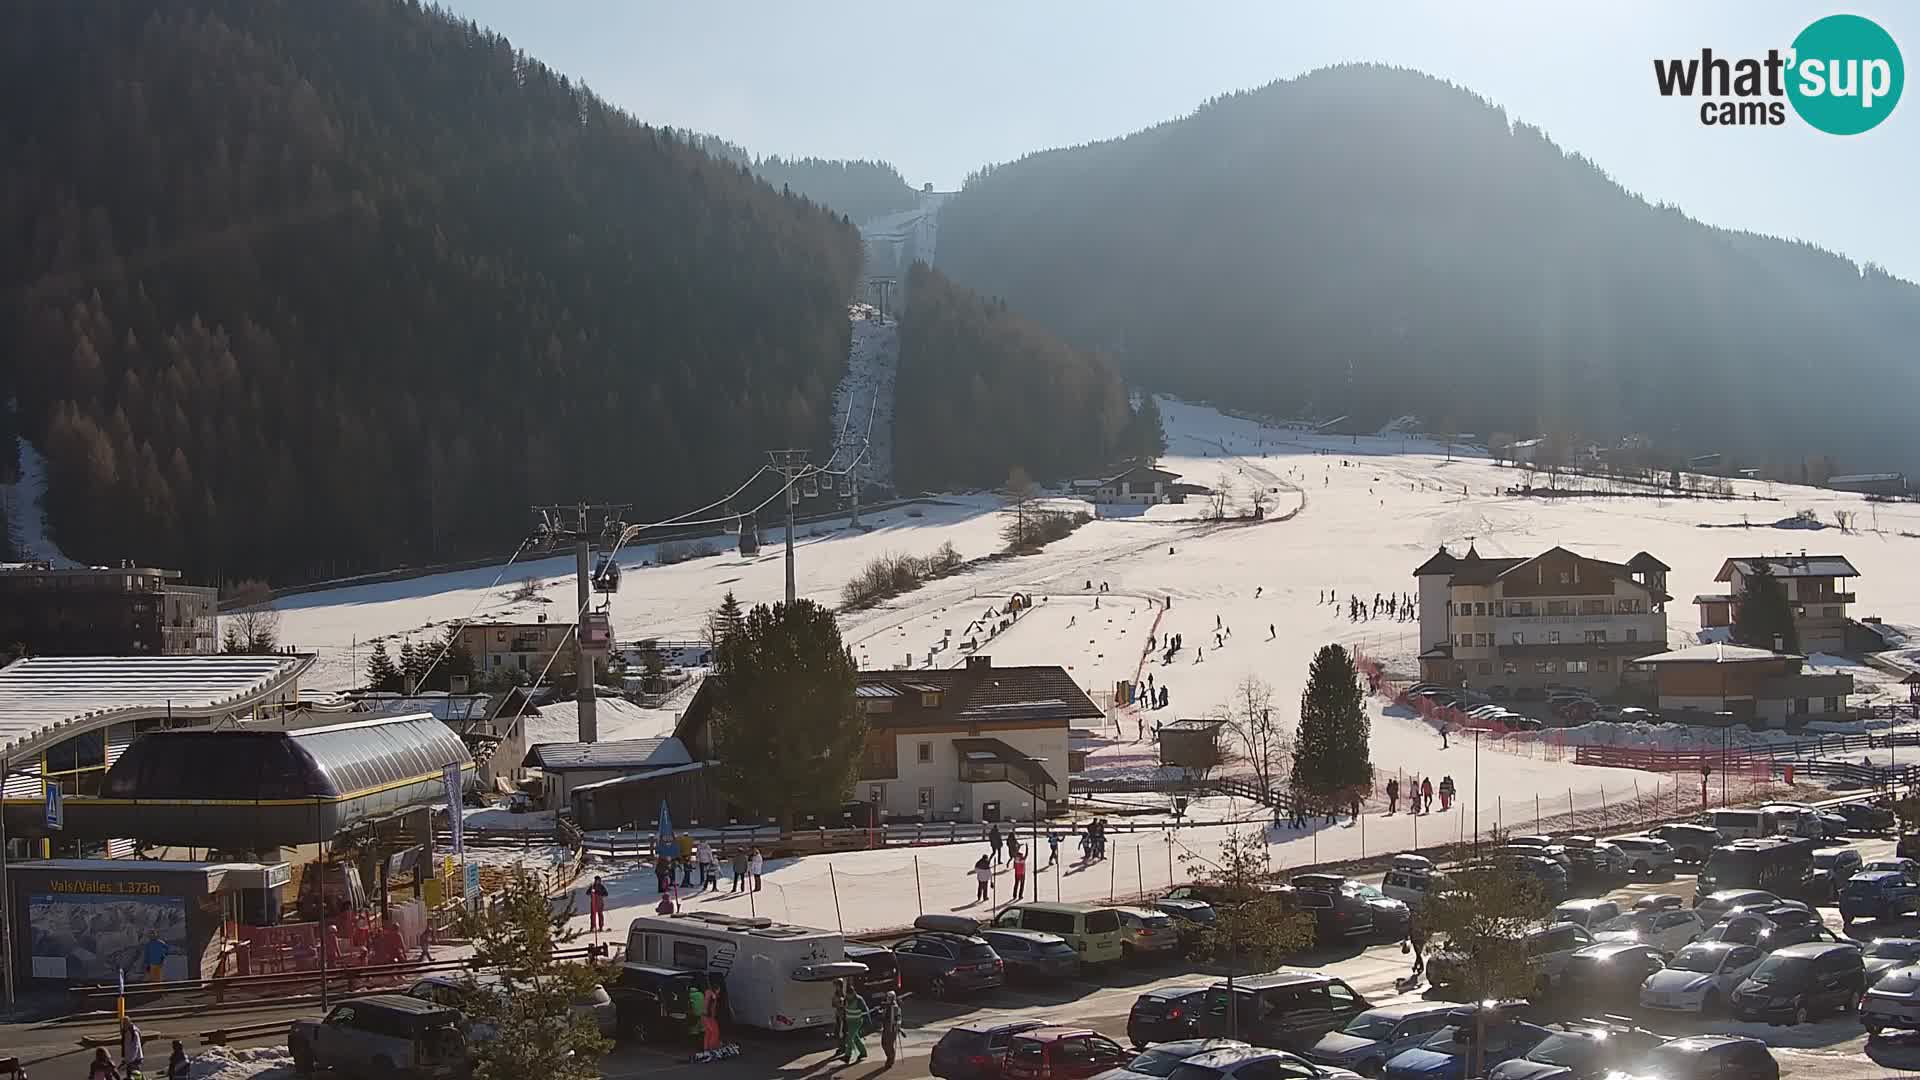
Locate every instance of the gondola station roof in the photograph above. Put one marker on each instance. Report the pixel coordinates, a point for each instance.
(44, 699)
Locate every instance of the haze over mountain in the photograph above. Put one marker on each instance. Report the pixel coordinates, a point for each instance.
(1371, 241)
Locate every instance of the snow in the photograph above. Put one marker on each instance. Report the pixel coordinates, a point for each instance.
(25, 514)
(241, 1063)
(618, 718)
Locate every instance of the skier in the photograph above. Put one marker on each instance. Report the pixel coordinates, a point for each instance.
(1270, 634)
(982, 874)
(1443, 736)
(1019, 875)
(1426, 793)
(1217, 624)
(597, 904)
(1257, 590)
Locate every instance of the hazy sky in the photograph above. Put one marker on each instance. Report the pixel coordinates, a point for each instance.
(941, 89)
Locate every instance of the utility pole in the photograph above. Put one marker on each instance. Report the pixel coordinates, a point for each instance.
(560, 524)
(791, 465)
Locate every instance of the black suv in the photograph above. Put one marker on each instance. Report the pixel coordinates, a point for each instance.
(943, 964)
(1337, 914)
(1287, 1010)
(1166, 1014)
(977, 1050)
(883, 973)
(653, 1002)
(1801, 981)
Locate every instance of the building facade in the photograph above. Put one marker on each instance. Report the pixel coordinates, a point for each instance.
(1758, 687)
(527, 647)
(1140, 485)
(1816, 589)
(105, 611)
(1555, 619)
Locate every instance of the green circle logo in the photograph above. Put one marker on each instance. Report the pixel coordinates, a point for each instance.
(1846, 75)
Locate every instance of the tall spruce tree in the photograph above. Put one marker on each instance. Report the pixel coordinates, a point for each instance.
(1331, 753)
(725, 619)
(1764, 618)
(381, 672)
(784, 728)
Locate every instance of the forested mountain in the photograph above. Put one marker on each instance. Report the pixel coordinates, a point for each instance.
(291, 289)
(862, 190)
(981, 390)
(1372, 241)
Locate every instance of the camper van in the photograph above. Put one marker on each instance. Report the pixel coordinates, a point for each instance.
(777, 977)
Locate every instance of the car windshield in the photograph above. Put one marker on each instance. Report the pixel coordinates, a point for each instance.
(1569, 1050)
(1368, 892)
(1705, 961)
(1370, 1026)
(974, 951)
(1782, 969)
(1894, 948)
(1863, 886)
(1154, 1063)
(1898, 981)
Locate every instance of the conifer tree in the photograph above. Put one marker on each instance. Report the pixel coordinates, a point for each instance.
(1764, 614)
(381, 672)
(1331, 753)
(725, 619)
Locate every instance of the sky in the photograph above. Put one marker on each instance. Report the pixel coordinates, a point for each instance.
(941, 90)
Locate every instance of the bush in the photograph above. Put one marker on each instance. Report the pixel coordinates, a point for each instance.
(1036, 529)
(890, 575)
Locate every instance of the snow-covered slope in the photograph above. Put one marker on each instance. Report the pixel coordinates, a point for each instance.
(24, 513)
(863, 402)
(894, 242)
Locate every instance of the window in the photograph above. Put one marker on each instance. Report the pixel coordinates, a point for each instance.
(1565, 578)
(1831, 704)
(1576, 667)
(1543, 667)
(1483, 640)
(1519, 638)
(1498, 608)
(651, 948)
(1520, 608)
(1466, 641)
(500, 637)
(1830, 612)
(1633, 635)
(1603, 664)
(1596, 637)
(1558, 607)
(1510, 667)
(690, 955)
(1553, 637)
(1486, 668)
(930, 699)
(1799, 706)
(1593, 607)
(924, 752)
(1479, 609)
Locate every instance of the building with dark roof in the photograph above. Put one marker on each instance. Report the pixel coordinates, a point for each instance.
(1722, 683)
(123, 610)
(572, 765)
(976, 743)
(1144, 484)
(1816, 588)
(1553, 619)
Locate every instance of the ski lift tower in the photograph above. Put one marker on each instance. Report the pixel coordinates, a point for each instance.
(558, 525)
(791, 465)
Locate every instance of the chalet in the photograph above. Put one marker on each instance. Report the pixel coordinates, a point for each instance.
(974, 743)
(1737, 684)
(1554, 619)
(1814, 585)
(1141, 484)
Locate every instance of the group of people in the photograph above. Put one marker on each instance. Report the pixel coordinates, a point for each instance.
(132, 1062)
(1420, 794)
(852, 1016)
(1399, 608)
(690, 856)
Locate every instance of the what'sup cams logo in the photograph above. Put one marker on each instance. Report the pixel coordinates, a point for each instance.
(1842, 75)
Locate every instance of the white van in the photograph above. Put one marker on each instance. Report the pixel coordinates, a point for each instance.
(778, 977)
(1741, 824)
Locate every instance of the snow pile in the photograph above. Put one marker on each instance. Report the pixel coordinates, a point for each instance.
(243, 1063)
(24, 513)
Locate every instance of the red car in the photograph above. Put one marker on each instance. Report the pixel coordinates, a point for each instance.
(1062, 1053)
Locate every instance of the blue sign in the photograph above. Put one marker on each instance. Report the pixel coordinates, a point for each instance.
(472, 882)
(56, 809)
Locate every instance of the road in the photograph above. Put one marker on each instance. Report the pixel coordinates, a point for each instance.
(1831, 1049)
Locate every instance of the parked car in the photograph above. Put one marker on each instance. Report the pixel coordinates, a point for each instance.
(452, 990)
(1633, 714)
(1647, 856)
(1907, 868)
(1165, 1014)
(1578, 1052)
(1337, 916)
(1609, 973)
(1551, 875)
(883, 973)
(1668, 931)
(1887, 953)
(1892, 1002)
(1690, 843)
(1742, 929)
(1548, 950)
(1159, 1061)
(1147, 934)
(941, 964)
(1714, 906)
(977, 1050)
(1092, 929)
(1592, 859)
(1391, 916)
(1190, 917)
(1707, 1057)
(1801, 981)
(1030, 955)
(1590, 914)
(1256, 1063)
(1062, 1053)
(1412, 878)
(1832, 867)
(1372, 1038)
(1545, 845)
(1284, 1010)
(654, 1002)
(1700, 978)
(1865, 819)
(1659, 901)
(1449, 1053)
(1740, 824)
(383, 1035)
(1878, 894)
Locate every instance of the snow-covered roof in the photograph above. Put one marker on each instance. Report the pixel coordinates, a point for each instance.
(620, 754)
(1716, 653)
(46, 697)
(1790, 566)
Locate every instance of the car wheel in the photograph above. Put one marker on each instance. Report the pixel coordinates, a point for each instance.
(1800, 1014)
(1640, 867)
(937, 988)
(1126, 953)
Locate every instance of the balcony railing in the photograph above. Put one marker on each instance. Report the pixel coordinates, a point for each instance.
(1827, 598)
